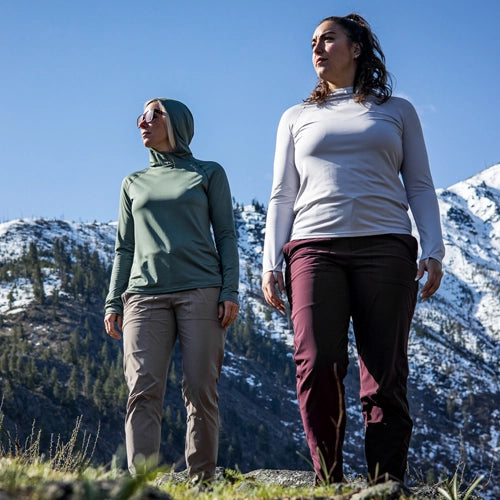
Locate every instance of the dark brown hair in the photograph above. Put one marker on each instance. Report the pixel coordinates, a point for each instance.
(371, 77)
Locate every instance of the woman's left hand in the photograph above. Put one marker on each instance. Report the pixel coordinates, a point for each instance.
(228, 312)
(434, 274)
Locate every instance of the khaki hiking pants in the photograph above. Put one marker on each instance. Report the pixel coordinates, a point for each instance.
(152, 323)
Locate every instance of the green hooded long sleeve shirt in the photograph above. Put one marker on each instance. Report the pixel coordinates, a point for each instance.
(175, 226)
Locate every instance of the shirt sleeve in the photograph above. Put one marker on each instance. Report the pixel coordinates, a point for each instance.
(280, 212)
(222, 220)
(419, 186)
(124, 254)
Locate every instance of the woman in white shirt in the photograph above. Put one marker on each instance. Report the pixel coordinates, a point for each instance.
(350, 160)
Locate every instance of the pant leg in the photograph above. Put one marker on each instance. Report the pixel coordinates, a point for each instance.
(149, 334)
(202, 340)
(384, 294)
(317, 287)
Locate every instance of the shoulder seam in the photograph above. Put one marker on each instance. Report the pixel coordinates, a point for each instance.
(133, 176)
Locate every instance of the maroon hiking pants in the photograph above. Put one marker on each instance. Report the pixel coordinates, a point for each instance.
(370, 280)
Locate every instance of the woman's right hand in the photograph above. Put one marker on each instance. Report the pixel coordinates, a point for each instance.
(273, 287)
(111, 322)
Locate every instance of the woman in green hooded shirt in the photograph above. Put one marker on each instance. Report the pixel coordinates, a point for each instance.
(175, 275)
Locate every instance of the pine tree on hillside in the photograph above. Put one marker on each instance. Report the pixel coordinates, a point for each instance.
(35, 273)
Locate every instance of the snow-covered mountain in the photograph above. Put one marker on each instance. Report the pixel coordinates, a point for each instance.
(454, 347)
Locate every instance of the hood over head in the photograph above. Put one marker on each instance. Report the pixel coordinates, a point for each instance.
(183, 125)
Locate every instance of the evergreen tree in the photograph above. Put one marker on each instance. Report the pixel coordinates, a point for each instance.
(172, 376)
(54, 301)
(54, 383)
(13, 362)
(167, 415)
(86, 379)
(35, 272)
(11, 297)
(7, 392)
(97, 395)
(30, 373)
(108, 390)
(4, 362)
(74, 346)
(62, 261)
(72, 388)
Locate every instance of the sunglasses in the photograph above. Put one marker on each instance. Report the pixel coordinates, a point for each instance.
(149, 115)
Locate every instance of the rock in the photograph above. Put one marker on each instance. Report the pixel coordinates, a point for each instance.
(356, 488)
(292, 478)
(390, 490)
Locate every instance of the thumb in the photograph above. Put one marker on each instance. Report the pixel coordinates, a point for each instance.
(421, 270)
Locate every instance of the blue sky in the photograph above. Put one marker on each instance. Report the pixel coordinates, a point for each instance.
(75, 76)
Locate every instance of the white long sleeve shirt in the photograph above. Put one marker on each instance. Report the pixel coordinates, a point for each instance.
(345, 169)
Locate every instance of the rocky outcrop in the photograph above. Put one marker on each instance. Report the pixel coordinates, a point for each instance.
(354, 489)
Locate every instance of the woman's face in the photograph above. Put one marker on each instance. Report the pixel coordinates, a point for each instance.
(154, 132)
(333, 55)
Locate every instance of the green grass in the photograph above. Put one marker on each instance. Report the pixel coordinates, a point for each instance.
(37, 480)
(66, 472)
(40, 481)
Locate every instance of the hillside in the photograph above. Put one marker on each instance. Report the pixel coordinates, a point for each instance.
(56, 363)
